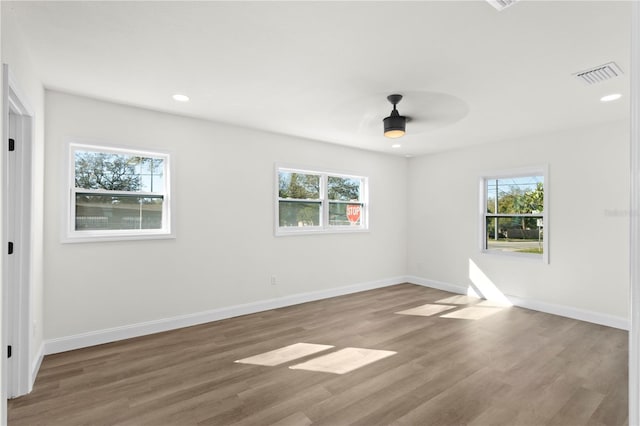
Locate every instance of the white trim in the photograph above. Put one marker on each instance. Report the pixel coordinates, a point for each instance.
(536, 305)
(71, 235)
(515, 172)
(316, 230)
(452, 288)
(114, 334)
(22, 106)
(541, 170)
(634, 247)
(17, 281)
(99, 337)
(323, 201)
(571, 312)
(4, 326)
(35, 365)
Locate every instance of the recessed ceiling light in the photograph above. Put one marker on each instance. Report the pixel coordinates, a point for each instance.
(396, 145)
(180, 98)
(612, 97)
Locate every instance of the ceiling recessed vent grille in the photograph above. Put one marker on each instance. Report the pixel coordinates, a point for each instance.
(501, 4)
(600, 73)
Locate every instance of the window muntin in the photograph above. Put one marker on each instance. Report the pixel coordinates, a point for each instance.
(316, 201)
(514, 215)
(117, 194)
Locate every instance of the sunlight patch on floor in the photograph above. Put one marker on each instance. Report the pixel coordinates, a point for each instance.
(472, 313)
(427, 310)
(343, 361)
(285, 354)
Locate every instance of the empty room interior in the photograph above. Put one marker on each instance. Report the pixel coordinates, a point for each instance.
(295, 213)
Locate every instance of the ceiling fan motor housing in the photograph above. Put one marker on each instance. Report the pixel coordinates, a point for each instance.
(394, 124)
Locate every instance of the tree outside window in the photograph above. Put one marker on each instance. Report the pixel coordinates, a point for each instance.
(118, 192)
(514, 214)
(318, 201)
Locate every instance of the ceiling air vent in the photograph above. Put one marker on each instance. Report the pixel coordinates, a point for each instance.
(600, 73)
(501, 4)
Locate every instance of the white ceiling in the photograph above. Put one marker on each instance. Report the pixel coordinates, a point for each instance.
(322, 70)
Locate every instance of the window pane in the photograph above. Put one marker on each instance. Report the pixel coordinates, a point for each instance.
(343, 188)
(103, 212)
(344, 214)
(515, 195)
(299, 186)
(319, 200)
(118, 172)
(515, 234)
(297, 214)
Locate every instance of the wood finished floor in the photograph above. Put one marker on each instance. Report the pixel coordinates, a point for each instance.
(514, 367)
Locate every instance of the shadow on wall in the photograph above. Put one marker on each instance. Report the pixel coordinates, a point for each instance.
(482, 286)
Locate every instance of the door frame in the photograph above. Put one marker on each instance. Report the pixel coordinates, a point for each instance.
(634, 254)
(16, 224)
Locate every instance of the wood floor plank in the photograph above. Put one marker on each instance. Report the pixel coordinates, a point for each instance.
(514, 367)
(579, 409)
(461, 402)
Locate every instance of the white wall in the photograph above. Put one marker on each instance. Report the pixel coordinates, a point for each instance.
(588, 219)
(225, 251)
(16, 55)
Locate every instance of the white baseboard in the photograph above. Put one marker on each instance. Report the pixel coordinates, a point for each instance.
(536, 305)
(35, 366)
(436, 284)
(571, 312)
(99, 337)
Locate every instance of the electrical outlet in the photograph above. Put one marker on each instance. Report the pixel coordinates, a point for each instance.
(273, 280)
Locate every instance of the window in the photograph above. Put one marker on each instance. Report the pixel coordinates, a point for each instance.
(514, 215)
(117, 194)
(315, 201)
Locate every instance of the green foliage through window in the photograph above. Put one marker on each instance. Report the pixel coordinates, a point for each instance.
(117, 191)
(514, 214)
(308, 199)
(299, 186)
(118, 172)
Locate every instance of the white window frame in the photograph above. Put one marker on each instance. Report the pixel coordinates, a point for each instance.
(324, 202)
(521, 172)
(71, 235)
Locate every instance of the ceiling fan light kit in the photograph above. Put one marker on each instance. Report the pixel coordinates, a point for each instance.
(395, 124)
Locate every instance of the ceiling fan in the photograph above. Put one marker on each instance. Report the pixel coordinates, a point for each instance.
(395, 124)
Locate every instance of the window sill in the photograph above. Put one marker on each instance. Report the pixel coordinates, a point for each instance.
(322, 231)
(97, 238)
(527, 257)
